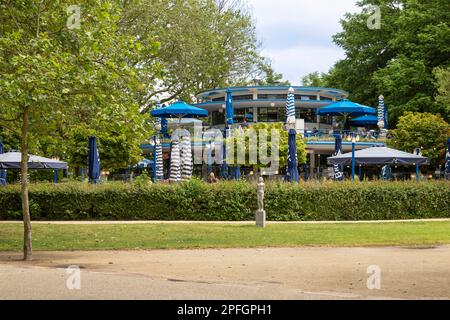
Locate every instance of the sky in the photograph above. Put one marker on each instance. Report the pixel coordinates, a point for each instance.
(296, 35)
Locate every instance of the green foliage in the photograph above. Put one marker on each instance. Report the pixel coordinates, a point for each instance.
(231, 201)
(397, 60)
(73, 82)
(270, 77)
(243, 138)
(204, 44)
(442, 76)
(422, 130)
(314, 79)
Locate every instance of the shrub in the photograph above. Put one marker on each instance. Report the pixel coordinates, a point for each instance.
(230, 201)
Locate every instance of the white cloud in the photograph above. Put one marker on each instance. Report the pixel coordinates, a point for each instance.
(297, 34)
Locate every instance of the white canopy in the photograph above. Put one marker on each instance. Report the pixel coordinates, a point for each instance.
(12, 160)
(378, 155)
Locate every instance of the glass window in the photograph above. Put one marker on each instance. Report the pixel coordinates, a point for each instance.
(217, 118)
(325, 98)
(308, 114)
(326, 119)
(305, 97)
(243, 115)
(271, 114)
(243, 97)
(219, 99)
(272, 96)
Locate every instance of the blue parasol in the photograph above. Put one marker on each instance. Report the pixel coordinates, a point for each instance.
(229, 111)
(93, 161)
(292, 161)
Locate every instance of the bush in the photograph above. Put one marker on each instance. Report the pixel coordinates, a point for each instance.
(230, 201)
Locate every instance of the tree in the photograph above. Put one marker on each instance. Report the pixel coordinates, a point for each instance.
(270, 77)
(204, 44)
(314, 79)
(242, 137)
(55, 75)
(396, 60)
(422, 130)
(442, 76)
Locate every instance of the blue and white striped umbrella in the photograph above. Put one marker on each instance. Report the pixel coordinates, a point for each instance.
(381, 113)
(290, 107)
(386, 172)
(159, 161)
(175, 170)
(447, 161)
(186, 158)
(338, 169)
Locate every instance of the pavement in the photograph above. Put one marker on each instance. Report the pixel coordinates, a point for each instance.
(266, 273)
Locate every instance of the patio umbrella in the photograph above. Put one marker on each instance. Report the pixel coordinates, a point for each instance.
(292, 160)
(175, 172)
(447, 162)
(364, 120)
(338, 169)
(186, 158)
(93, 161)
(145, 163)
(346, 108)
(386, 172)
(381, 113)
(12, 160)
(2, 172)
(159, 161)
(179, 110)
(290, 107)
(379, 156)
(229, 111)
(224, 164)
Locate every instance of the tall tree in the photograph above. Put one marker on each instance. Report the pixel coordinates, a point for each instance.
(396, 60)
(422, 130)
(204, 44)
(314, 79)
(58, 70)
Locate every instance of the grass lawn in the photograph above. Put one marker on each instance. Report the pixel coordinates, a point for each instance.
(185, 236)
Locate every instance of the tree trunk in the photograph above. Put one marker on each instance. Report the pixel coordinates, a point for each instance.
(27, 246)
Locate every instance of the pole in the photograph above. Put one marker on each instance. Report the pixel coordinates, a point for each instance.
(353, 160)
(55, 176)
(417, 172)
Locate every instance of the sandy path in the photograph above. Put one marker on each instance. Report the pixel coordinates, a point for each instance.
(271, 273)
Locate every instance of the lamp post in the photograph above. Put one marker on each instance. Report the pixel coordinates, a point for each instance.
(353, 157)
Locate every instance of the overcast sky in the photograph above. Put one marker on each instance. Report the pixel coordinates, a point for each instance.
(296, 34)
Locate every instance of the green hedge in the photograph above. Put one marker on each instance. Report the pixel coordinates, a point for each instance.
(230, 201)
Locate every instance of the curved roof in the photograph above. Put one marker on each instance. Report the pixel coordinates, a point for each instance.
(299, 89)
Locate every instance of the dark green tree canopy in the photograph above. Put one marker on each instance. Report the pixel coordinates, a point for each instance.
(398, 60)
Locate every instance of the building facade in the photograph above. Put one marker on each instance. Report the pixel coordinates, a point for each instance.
(268, 104)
